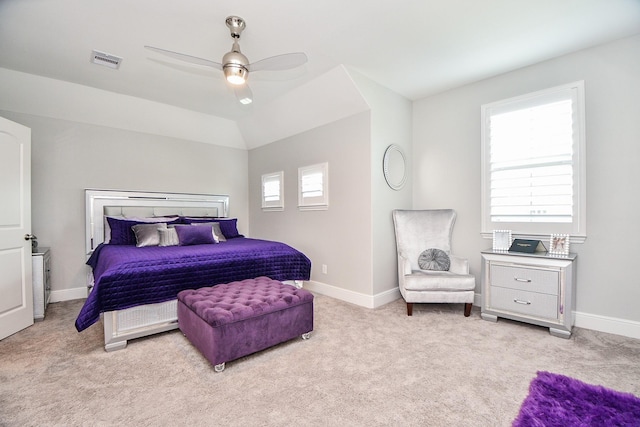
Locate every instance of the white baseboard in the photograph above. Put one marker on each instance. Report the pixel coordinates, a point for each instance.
(368, 301)
(477, 299)
(68, 294)
(322, 288)
(386, 297)
(611, 325)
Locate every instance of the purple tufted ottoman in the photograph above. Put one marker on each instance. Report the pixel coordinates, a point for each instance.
(229, 321)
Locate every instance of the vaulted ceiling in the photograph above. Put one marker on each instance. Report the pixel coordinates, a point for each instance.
(415, 48)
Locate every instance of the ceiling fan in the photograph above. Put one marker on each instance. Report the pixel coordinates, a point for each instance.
(235, 65)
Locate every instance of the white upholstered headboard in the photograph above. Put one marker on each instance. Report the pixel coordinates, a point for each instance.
(99, 203)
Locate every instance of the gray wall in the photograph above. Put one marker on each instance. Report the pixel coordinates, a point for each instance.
(391, 116)
(339, 237)
(68, 157)
(354, 238)
(446, 164)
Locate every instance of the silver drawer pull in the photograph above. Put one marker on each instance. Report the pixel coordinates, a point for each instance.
(519, 301)
(518, 279)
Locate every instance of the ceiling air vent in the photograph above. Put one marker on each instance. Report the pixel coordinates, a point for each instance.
(105, 59)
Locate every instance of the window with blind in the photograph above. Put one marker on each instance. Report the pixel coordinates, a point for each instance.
(272, 191)
(313, 187)
(533, 163)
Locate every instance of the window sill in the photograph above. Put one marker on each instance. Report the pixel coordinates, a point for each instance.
(543, 237)
(314, 208)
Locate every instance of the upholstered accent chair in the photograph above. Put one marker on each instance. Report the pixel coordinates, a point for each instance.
(427, 272)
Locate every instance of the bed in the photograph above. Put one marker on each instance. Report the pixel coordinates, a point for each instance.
(134, 281)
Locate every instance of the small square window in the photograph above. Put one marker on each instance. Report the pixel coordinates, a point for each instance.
(272, 191)
(313, 187)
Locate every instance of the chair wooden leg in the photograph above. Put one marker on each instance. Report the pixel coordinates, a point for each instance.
(467, 309)
(409, 308)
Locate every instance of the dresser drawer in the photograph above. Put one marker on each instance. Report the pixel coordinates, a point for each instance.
(529, 279)
(524, 302)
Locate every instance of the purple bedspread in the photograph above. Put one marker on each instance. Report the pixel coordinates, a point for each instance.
(127, 276)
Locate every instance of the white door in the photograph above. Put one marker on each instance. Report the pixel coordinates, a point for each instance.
(16, 290)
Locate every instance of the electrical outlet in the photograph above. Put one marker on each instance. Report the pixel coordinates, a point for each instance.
(324, 268)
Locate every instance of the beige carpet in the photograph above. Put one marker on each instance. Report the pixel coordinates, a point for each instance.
(361, 367)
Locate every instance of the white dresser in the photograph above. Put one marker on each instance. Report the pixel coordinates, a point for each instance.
(535, 288)
(41, 260)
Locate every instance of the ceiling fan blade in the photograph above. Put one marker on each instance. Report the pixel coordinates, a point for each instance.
(243, 93)
(279, 62)
(186, 58)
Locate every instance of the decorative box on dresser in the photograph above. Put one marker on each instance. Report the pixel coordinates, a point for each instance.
(536, 288)
(41, 261)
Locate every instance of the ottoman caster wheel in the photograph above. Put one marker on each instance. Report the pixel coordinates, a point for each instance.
(306, 336)
(219, 367)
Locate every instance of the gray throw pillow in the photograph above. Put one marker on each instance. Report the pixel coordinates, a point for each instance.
(434, 259)
(168, 237)
(147, 234)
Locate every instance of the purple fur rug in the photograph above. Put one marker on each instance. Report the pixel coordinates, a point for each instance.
(556, 400)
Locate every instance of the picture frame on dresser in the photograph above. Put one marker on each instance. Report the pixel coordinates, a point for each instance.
(559, 244)
(501, 240)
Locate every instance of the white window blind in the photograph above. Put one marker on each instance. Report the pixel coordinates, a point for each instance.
(532, 170)
(531, 155)
(313, 188)
(272, 191)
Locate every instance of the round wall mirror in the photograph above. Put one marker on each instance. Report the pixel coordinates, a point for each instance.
(394, 167)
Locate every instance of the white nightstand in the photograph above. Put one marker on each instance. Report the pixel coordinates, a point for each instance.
(41, 261)
(535, 288)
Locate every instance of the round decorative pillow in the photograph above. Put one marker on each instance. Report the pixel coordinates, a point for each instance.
(434, 259)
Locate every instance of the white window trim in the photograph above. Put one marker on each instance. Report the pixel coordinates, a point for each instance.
(542, 231)
(314, 203)
(273, 205)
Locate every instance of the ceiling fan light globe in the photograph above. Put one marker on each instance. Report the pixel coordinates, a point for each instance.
(236, 80)
(235, 74)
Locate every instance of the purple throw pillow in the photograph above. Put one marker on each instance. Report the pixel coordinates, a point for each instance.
(122, 231)
(229, 227)
(195, 235)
